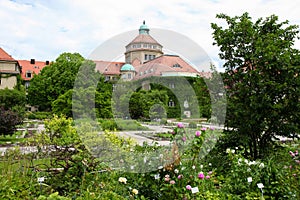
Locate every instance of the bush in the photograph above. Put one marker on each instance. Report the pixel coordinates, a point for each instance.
(121, 125)
(38, 115)
(8, 121)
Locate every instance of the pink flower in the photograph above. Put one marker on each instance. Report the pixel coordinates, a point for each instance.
(201, 175)
(188, 187)
(184, 139)
(167, 177)
(179, 176)
(207, 177)
(210, 172)
(297, 161)
(292, 154)
(203, 129)
(296, 152)
(172, 182)
(212, 128)
(198, 133)
(180, 125)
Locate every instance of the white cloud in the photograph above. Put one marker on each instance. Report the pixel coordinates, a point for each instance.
(45, 29)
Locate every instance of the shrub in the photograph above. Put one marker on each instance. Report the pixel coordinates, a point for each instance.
(8, 121)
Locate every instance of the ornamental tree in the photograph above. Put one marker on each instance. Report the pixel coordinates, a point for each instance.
(262, 79)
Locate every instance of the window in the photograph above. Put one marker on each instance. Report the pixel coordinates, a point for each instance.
(27, 83)
(154, 56)
(146, 56)
(171, 103)
(176, 65)
(145, 45)
(28, 74)
(129, 76)
(171, 85)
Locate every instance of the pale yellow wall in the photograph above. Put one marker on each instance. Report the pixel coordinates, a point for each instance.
(140, 55)
(9, 82)
(8, 66)
(124, 75)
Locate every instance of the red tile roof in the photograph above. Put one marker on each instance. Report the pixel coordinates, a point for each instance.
(32, 68)
(166, 65)
(108, 68)
(144, 38)
(5, 56)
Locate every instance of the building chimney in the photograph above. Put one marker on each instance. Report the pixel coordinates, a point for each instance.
(32, 61)
(47, 62)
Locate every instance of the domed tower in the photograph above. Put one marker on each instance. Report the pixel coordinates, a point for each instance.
(142, 48)
(127, 72)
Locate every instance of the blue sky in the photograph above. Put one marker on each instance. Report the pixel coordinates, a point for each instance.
(45, 29)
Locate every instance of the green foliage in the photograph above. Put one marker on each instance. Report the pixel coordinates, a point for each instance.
(121, 125)
(262, 77)
(11, 98)
(38, 115)
(8, 121)
(54, 80)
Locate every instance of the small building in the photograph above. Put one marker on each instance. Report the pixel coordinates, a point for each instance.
(30, 68)
(9, 70)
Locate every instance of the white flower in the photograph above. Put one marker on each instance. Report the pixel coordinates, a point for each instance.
(156, 176)
(201, 166)
(209, 164)
(252, 163)
(160, 167)
(232, 151)
(249, 179)
(260, 185)
(246, 161)
(135, 191)
(122, 180)
(193, 167)
(249, 170)
(228, 150)
(176, 171)
(261, 165)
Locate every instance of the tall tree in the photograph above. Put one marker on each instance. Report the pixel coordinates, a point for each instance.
(262, 79)
(54, 80)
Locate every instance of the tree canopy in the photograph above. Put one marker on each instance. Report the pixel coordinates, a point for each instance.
(262, 79)
(54, 80)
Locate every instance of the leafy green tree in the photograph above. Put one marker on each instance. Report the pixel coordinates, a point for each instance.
(90, 97)
(262, 79)
(54, 80)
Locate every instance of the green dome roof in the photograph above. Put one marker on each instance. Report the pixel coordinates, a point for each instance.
(127, 67)
(144, 29)
(144, 26)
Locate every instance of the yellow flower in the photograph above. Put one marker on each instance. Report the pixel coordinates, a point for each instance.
(135, 191)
